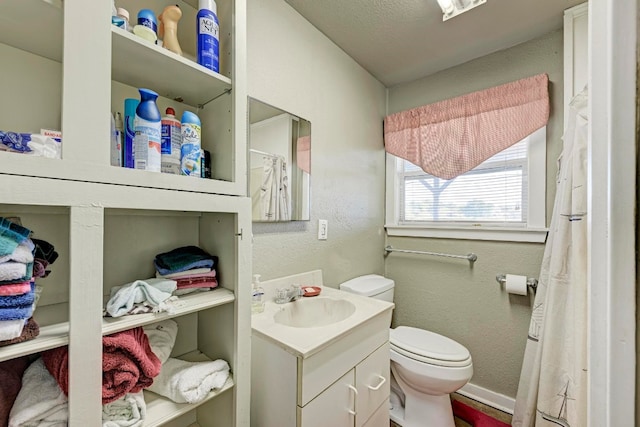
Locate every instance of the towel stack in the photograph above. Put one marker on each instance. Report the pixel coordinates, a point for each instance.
(191, 267)
(17, 288)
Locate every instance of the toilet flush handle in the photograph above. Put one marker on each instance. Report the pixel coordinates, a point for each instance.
(376, 388)
(355, 395)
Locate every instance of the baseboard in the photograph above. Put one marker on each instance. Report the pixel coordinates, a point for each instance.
(491, 398)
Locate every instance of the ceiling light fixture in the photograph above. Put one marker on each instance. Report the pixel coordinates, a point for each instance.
(451, 8)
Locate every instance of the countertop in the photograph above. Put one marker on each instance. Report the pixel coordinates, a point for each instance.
(304, 342)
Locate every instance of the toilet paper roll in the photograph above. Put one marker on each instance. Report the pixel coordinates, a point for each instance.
(516, 284)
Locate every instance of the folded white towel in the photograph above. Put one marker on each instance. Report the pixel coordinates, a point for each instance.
(162, 337)
(10, 329)
(40, 402)
(189, 382)
(180, 274)
(150, 291)
(12, 271)
(23, 253)
(128, 411)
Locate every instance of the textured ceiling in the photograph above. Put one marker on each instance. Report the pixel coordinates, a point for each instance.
(399, 41)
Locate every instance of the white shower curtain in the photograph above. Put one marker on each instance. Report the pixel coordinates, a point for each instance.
(553, 382)
(274, 192)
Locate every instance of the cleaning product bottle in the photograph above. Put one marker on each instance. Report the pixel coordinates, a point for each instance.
(190, 148)
(119, 137)
(171, 143)
(208, 27)
(257, 295)
(116, 148)
(168, 30)
(148, 129)
(130, 105)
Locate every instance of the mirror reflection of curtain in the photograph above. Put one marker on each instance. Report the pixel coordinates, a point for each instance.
(274, 195)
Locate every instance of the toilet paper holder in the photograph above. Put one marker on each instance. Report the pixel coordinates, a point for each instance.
(531, 282)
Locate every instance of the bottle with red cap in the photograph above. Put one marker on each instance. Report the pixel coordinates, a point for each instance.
(171, 142)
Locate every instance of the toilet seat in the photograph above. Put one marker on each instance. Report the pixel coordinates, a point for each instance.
(428, 347)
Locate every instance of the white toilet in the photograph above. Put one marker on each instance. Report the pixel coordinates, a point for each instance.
(426, 367)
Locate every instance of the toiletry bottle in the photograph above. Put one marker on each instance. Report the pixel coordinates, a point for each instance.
(124, 15)
(116, 148)
(168, 30)
(130, 105)
(208, 28)
(257, 295)
(171, 142)
(190, 148)
(120, 137)
(147, 27)
(148, 129)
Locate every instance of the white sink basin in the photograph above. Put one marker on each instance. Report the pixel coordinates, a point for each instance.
(314, 312)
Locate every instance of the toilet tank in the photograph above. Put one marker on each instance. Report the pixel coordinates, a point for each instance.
(371, 285)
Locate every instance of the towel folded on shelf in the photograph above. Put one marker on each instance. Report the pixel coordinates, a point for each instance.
(205, 282)
(40, 401)
(11, 379)
(151, 291)
(128, 411)
(12, 271)
(190, 382)
(15, 313)
(182, 259)
(162, 338)
(30, 330)
(10, 329)
(17, 288)
(187, 273)
(23, 253)
(8, 301)
(11, 235)
(128, 364)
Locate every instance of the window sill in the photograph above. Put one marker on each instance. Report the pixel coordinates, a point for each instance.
(531, 235)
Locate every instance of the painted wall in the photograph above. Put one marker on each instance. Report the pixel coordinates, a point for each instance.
(447, 296)
(294, 67)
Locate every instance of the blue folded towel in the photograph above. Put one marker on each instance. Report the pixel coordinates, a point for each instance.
(183, 259)
(15, 313)
(11, 235)
(19, 300)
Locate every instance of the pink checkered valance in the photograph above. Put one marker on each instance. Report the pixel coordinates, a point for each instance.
(451, 137)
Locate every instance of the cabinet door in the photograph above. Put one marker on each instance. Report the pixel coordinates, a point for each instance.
(331, 407)
(380, 418)
(372, 382)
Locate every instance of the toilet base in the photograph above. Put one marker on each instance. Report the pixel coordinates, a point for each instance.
(428, 411)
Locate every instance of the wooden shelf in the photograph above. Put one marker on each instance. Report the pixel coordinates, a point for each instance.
(33, 25)
(191, 303)
(139, 63)
(161, 410)
(51, 336)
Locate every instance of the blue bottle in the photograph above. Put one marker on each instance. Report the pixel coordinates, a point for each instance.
(147, 142)
(208, 29)
(130, 105)
(190, 148)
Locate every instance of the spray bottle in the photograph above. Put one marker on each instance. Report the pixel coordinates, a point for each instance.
(208, 29)
(130, 105)
(148, 130)
(171, 142)
(190, 148)
(257, 295)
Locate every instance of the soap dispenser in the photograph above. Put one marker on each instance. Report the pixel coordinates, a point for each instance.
(257, 295)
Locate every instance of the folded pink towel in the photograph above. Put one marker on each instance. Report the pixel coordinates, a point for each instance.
(12, 289)
(189, 273)
(190, 284)
(128, 364)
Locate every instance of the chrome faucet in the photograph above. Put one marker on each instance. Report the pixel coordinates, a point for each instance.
(284, 295)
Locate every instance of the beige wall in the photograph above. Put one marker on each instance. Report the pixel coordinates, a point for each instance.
(293, 66)
(447, 296)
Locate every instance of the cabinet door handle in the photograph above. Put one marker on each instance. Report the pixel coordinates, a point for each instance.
(355, 394)
(376, 388)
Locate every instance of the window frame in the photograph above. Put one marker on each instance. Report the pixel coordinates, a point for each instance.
(534, 231)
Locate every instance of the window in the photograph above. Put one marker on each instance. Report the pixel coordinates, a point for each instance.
(501, 199)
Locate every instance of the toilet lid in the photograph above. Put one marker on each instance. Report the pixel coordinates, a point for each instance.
(428, 347)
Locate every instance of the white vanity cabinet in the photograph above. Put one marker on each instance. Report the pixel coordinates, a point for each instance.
(66, 68)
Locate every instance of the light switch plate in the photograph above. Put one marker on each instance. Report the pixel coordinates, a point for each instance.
(323, 229)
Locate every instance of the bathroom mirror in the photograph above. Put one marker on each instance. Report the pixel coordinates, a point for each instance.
(279, 164)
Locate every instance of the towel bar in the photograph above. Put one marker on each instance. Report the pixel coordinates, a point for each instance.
(471, 257)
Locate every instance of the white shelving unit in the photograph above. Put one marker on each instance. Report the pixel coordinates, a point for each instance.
(107, 223)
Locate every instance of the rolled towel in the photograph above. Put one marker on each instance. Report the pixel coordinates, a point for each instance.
(10, 329)
(189, 382)
(40, 401)
(151, 291)
(11, 235)
(128, 364)
(182, 259)
(11, 379)
(129, 411)
(162, 337)
(23, 253)
(30, 330)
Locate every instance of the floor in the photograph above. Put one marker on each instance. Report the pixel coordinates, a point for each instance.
(499, 415)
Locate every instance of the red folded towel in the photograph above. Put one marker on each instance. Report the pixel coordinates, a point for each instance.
(128, 364)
